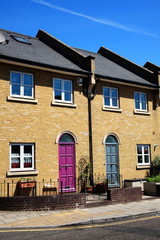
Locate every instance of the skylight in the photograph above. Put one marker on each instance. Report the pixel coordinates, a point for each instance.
(22, 40)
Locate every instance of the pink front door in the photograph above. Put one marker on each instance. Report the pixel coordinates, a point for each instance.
(67, 166)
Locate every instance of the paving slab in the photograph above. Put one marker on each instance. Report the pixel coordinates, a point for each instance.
(82, 216)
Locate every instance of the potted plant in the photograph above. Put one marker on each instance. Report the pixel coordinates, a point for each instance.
(152, 186)
(27, 183)
(85, 178)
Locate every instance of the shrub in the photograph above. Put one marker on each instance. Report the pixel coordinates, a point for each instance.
(155, 166)
(154, 179)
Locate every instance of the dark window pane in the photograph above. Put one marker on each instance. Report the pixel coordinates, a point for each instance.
(143, 106)
(137, 105)
(67, 96)
(139, 149)
(57, 84)
(146, 159)
(111, 139)
(15, 77)
(67, 86)
(58, 95)
(114, 93)
(27, 162)
(143, 97)
(16, 89)
(140, 159)
(107, 101)
(114, 102)
(66, 138)
(146, 150)
(28, 150)
(27, 79)
(15, 150)
(27, 91)
(15, 162)
(136, 96)
(106, 92)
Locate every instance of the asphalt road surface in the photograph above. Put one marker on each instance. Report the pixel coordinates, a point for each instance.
(146, 229)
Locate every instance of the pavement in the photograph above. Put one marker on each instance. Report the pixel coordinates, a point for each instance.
(148, 206)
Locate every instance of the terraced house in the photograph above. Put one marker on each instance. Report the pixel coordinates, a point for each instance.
(60, 106)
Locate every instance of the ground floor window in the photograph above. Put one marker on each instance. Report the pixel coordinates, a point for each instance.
(21, 156)
(143, 154)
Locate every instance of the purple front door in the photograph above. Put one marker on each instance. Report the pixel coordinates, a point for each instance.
(67, 164)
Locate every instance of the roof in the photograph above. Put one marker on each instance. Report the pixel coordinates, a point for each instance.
(106, 68)
(36, 52)
(45, 50)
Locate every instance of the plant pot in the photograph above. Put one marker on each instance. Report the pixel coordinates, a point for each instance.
(28, 184)
(152, 188)
(89, 189)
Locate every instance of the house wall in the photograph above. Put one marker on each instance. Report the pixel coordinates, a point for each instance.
(130, 128)
(40, 123)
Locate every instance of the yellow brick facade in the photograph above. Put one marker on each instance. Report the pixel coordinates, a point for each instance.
(129, 128)
(42, 122)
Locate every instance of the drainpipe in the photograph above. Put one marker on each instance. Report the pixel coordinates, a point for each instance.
(91, 95)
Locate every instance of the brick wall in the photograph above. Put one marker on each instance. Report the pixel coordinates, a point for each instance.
(130, 128)
(42, 203)
(42, 122)
(125, 194)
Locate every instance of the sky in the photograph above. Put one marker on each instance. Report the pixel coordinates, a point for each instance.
(130, 28)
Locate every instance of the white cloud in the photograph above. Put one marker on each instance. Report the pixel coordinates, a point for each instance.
(101, 21)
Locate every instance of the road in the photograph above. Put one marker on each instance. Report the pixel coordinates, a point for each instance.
(146, 229)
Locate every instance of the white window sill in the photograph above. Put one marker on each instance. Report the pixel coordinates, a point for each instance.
(26, 100)
(144, 166)
(141, 112)
(23, 173)
(112, 109)
(71, 105)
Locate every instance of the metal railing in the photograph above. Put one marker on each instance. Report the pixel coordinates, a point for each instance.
(51, 187)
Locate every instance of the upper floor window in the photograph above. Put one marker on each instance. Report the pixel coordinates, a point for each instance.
(21, 157)
(110, 97)
(62, 90)
(140, 100)
(143, 154)
(21, 84)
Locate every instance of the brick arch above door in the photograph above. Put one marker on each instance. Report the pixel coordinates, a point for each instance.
(68, 132)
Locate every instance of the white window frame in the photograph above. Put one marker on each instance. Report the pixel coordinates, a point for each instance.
(22, 156)
(21, 95)
(63, 91)
(143, 154)
(111, 98)
(140, 101)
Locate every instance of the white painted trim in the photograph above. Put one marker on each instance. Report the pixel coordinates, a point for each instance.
(71, 105)
(20, 99)
(22, 173)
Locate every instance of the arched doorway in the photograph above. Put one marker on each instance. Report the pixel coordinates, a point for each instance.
(67, 171)
(112, 161)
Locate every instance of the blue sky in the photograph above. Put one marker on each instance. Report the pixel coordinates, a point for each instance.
(129, 28)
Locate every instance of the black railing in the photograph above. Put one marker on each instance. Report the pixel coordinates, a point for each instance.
(51, 187)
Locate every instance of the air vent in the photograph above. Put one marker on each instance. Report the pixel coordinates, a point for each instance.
(2, 38)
